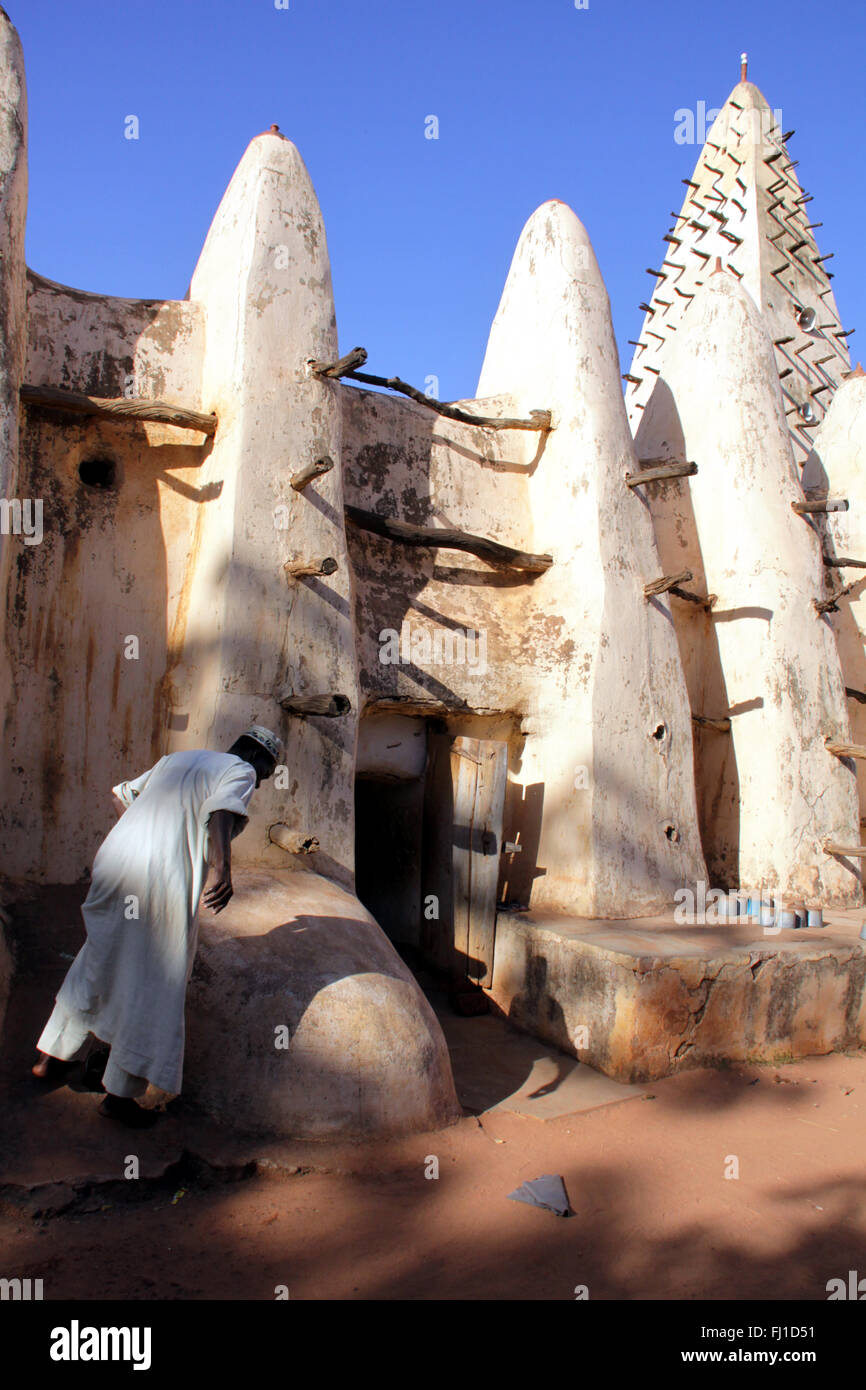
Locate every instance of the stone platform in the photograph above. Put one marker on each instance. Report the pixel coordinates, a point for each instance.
(644, 998)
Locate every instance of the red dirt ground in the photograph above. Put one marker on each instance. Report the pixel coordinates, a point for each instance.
(654, 1214)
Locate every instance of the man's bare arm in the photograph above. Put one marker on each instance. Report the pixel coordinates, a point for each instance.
(220, 827)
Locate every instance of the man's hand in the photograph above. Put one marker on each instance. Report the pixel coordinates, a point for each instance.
(221, 889)
(220, 826)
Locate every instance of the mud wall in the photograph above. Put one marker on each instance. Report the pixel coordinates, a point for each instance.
(92, 610)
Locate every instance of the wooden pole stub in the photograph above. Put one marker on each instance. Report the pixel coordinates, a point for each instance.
(293, 841)
(297, 569)
(327, 706)
(356, 358)
(660, 473)
(820, 504)
(314, 470)
(667, 581)
(721, 726)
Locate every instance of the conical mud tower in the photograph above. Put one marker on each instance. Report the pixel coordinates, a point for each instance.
(836, 470)
(765, 653)
(610, 727)
(264, 284)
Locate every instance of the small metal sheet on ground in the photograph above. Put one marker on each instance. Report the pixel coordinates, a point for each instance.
(547, 1192)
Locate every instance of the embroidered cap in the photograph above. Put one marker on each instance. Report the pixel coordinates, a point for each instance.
(265, 739)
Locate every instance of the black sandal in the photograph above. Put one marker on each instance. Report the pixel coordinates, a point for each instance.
(127, 1112)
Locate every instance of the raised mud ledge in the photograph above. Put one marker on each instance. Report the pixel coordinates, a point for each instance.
(640, 1001)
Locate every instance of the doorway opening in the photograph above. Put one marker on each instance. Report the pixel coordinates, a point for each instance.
(430, 863)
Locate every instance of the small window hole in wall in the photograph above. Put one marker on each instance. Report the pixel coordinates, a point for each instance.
(660, 732)
(672, 833)
(98, 473)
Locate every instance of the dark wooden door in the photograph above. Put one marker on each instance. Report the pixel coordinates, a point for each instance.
(465, 797)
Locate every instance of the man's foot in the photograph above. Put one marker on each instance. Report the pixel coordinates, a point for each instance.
(127, 1111)
(51, 1068)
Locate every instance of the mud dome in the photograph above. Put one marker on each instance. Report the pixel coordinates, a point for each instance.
(296, 993)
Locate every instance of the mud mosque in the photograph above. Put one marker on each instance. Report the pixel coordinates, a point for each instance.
(666, 586)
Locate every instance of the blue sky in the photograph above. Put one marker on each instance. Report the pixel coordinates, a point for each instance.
(535, 99)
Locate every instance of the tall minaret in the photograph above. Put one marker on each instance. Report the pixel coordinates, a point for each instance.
(744, 204)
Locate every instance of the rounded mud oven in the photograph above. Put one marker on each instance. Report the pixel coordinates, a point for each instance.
(303, 1022)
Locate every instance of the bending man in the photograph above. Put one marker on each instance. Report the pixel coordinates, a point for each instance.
(127, 985)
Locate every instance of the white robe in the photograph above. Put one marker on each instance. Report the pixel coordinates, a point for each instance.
(127, 985)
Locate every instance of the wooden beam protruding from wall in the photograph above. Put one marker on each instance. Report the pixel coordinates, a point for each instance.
(405, 533)
(846, 851)
(660, 473)
(347, 367)
(118, 408)
(702, 600)
(845, 750)
(831, 605)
